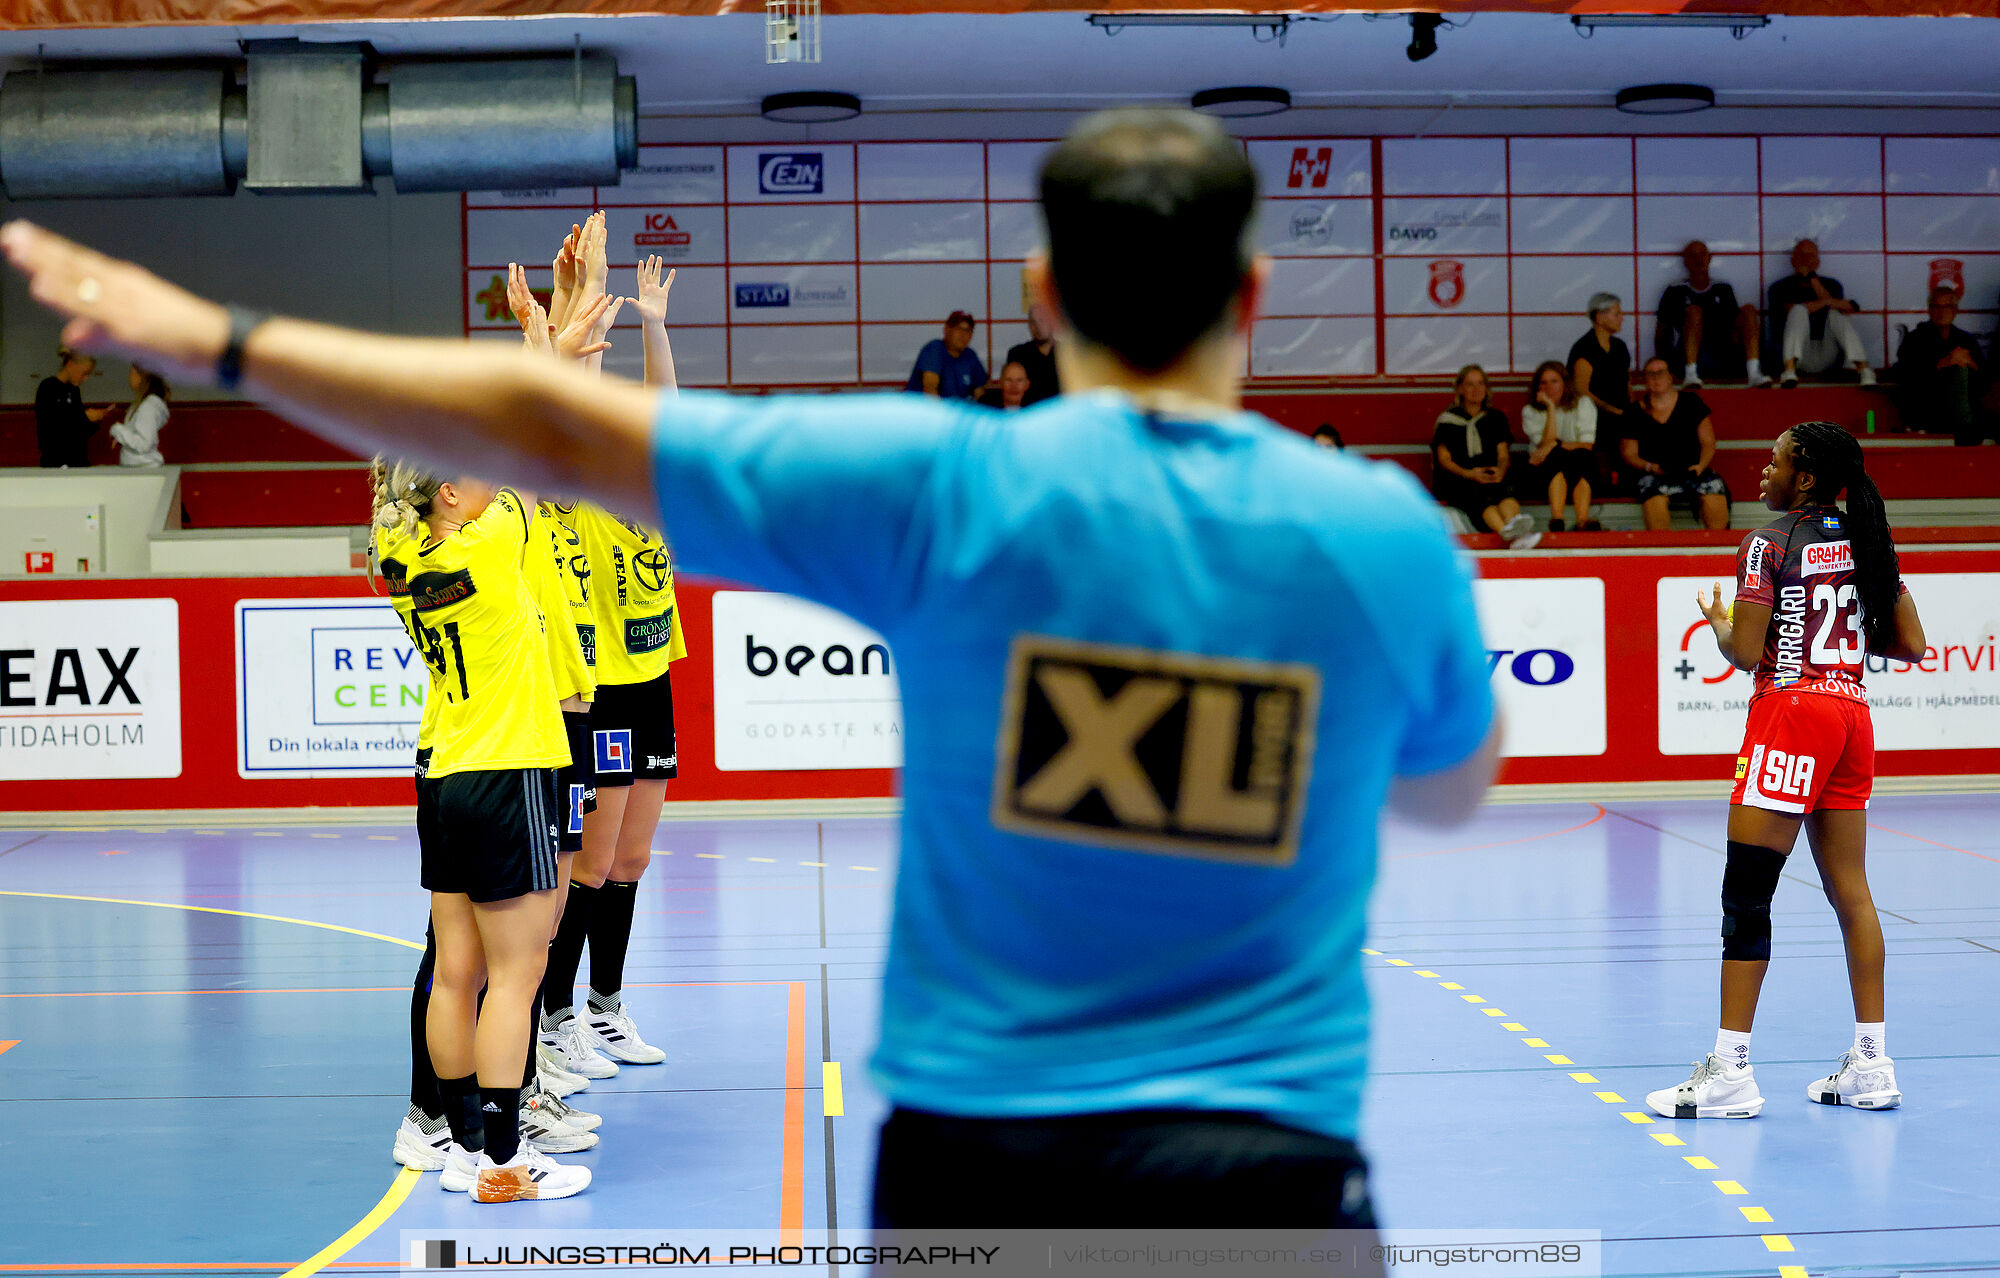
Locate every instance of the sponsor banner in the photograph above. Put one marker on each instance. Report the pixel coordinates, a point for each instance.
(783, 173)
(671, 175)
(799, 686)
(1545, 652)
(1321, 166)
(325, 687)
(792, 294)
(90, 689)
(1948, 701)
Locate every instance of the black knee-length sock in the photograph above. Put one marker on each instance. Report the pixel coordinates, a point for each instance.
(424, 1098)
(566, 952)
(610, 933)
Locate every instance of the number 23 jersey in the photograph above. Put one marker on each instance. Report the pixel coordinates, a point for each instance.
(476, 623)
(1801, 567)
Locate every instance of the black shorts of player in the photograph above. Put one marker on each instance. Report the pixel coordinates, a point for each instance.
(1132, 1169)
(491, 835)
(576, 785)
(426, 799)
(632, 731)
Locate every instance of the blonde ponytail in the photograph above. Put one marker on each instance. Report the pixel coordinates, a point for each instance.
(402, 496)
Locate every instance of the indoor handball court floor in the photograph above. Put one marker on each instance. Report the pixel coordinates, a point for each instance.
(213, 1085)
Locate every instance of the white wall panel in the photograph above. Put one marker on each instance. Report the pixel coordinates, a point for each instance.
(1312, 348)
(1572, 224)
(772, 356)
(1007, 292)
(889, 351)
(807, 233)
(1944, 222)
(920, 171)
(582, 198)
(1414, 286)
(1564, 285)
(1315, 228)
(1837, 223)
(686, 234)
(922, 292)
(1445, 345)
(1726, 223)
(1444, 166)
(922, 232)
(671, 175)
(701, 355)
(1444, 226)
(1570, 166)
(1303, 286)
(1702, 166)
(1013, 230)
(1944, 165)
(1013, 169)
(1822, 165)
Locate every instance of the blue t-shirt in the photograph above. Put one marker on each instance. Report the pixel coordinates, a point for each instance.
(1157, 674)
(957, 378)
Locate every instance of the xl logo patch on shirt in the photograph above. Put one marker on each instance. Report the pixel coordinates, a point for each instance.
(1155, 751)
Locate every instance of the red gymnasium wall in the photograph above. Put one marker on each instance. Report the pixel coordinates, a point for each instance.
(1598, 658)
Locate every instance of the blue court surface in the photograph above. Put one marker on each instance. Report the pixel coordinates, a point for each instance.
(213, 1086)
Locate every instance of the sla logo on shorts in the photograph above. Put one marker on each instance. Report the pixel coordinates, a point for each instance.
(614, 749)
(1155, 751)
(577, 794)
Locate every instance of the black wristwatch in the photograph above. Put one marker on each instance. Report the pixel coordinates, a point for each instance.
(229, 365)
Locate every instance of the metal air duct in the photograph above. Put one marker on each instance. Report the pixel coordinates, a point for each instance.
(469, 126)
(118, 133)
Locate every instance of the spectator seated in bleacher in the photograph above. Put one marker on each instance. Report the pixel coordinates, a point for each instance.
(1672, 445)
(1470, 455)
(1703, 329)
(1563, 425)
(946, 366)
(1808, 313)
(137, 434)
(1327, 437)
(1012, 394)
(1037, 356)
(1940, 378)
(1600, 367)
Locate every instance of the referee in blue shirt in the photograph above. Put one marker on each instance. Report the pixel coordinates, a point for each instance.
(1163, 666)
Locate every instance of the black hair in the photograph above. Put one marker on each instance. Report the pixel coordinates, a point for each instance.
(1832, 457)
(1148, 212)
(1325, 430)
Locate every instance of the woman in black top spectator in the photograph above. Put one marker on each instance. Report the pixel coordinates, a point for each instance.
(1470, 452)
(63, 426)
(1671, 445)
(1600, 367)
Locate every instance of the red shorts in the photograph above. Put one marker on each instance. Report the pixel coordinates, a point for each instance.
(1806, 752)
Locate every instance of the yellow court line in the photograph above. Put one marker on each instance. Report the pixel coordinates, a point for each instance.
(1609, 1098)
(399, 1189)
(1668, 1138)
(1492, 1011)
(709, 856)
(829, 1086)
(1756, 1215)
(1429, 976)
(1400, 963)
(1448, 985)
(1372, 953)
(1730, 1187)
(1699, 1163)
(1516, 1026)
(1557, 1060)
(1585, 1078)
(1634, 1116)
(1472, 998)
(1778, 1242)
(767, 860)
(1536, 1042)
(1793, 1271)
(211, 909)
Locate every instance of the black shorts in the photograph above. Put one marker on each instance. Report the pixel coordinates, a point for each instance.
(1577, 465)
(576, 785)
(1135, 1169)
(490, 835)
(1683, 486)
(632, 728)
(1471, 496)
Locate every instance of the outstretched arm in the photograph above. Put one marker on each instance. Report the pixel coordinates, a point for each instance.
(453, 405)
(651, 303)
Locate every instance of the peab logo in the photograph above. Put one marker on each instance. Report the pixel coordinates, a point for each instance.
(749, 295)
(791, 173)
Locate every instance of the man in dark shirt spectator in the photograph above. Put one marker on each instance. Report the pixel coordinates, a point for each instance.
(63, 426)
(1600, 366)
(947, 367)
(1940, 378)
(1703, 329)
(1809, 317)
(1672, 445)
(1037, 356)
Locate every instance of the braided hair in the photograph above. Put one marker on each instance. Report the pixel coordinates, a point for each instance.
(1833, 458)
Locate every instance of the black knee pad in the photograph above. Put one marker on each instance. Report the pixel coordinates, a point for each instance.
(1749, 881)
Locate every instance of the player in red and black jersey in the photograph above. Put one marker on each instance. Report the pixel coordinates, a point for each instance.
(1817, 591)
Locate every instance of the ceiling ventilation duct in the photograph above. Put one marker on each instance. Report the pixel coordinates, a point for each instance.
(313, 120)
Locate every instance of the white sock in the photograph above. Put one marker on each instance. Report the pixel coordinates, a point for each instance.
(1870, 1043)
(1751, 367)
(1687, 373)
(1733, 1048)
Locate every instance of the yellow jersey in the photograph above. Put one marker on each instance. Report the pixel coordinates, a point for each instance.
(559, 574)
(396, 574)
(480, 631)
(631, 596)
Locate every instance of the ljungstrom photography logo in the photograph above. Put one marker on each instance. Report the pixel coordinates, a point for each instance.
(434, 1253)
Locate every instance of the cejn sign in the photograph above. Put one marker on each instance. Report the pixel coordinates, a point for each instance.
(89, 689)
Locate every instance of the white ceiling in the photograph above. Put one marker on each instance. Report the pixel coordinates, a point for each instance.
(1056, 61)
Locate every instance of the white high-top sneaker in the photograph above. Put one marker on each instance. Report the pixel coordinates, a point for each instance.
(1862, 1084)
(1717, 1090)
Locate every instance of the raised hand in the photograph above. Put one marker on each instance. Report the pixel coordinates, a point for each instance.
(579, 336)
(528, 312)
(563, 271)
(651, 303)
(1714, 609)
(593, 264)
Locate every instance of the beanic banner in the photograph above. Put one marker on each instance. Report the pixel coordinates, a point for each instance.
(325, 687)
(1948, 701)
(90, 688)
(798, 686)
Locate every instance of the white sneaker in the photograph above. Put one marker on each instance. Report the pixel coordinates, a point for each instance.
(1717, 1090)
(1761, 379)
(1862, 1084)
(1519, 526)
(1867, 376)
(1526, 541)
(543, 1130)
(529, 1174)
(461, 1168)
(563, 1112)
(553, 1069)
(579, 1057)
(1788, 380)
(613, 1034)
(1691, 380)
(422, 1150)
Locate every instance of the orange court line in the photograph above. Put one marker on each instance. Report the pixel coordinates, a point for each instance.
(792, 1182)
(1474, 847)
(6, 1043)
(345, 989)
(156, 1265)
(1934, 843)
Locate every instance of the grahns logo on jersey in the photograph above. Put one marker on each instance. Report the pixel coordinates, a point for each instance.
(1827, 556)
